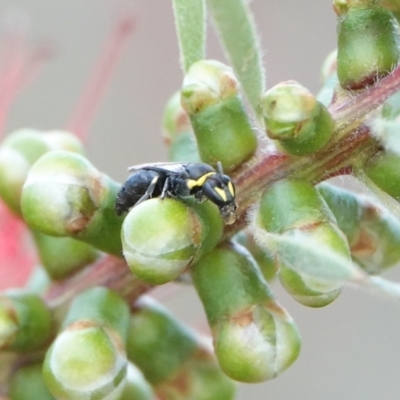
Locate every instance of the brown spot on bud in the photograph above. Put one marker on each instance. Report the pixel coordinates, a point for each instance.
(365, 244)
(81, 324)
(243, 317)
(77, 224)
(181, 384)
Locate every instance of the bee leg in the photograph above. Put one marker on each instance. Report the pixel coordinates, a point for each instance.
(149, 191)
(200, 198)
(165, 193)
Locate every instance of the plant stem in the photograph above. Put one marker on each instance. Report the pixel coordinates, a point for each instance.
(109, 271)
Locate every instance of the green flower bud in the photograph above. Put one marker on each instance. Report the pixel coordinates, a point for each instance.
(383, 169)
(368, 43)
(184, 148)
(373, 234)
(295, 119)
(64, 195)
(63, 140)
(175, 120)
(8, 326)
(292, 204)
(27, 383)
(307, 289)
(18, 153)
(136, 387)
(254, 338)
(87, 359)
(61, 256)
(221, 125)
(162, 237)
(263, 258)
(85, 362)
(178, 132)
(172, 357)
(25, 322)
(294, 209)
(206, 83)
(342, 6)
(103, 307)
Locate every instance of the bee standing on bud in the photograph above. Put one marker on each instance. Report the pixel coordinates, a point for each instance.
(178, 180)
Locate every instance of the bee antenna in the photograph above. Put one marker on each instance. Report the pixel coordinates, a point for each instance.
(219, 168)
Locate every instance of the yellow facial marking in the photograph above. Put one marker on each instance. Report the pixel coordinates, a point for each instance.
(231, 189)
(191, 183)
(220, 193)
(155, 179)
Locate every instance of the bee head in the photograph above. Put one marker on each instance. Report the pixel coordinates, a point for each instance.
(220, 190)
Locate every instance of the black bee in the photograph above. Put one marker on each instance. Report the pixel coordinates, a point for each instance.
(178, 180)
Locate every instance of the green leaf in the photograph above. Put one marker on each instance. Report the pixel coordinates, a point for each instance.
(237, 32)
(191, 30)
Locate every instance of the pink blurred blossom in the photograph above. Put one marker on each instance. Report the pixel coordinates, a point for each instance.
(19, 65)
(17, 254)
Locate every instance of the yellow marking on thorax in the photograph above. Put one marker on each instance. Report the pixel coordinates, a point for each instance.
(191, 183)
(221, 193)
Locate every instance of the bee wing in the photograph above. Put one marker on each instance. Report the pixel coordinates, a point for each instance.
(172, 167)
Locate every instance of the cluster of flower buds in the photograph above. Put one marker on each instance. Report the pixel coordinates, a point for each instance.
(82, 327)
(174, 359)
(293, 209)
(18, 152)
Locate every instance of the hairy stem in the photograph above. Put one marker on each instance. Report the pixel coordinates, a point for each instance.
(109, 271)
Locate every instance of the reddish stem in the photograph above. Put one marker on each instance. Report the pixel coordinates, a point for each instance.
(108, 271)
(90, 100)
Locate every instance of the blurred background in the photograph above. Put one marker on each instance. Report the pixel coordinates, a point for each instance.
(351, 349)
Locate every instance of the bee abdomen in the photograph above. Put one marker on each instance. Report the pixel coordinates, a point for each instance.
(135, 187)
